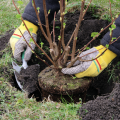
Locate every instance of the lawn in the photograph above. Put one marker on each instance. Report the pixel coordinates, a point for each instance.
(13, 103)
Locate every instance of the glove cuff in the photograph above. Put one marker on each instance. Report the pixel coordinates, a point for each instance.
(29, 25)
(108, 55)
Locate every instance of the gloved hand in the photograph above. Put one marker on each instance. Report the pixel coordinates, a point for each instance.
(91, 68)
(18, 43)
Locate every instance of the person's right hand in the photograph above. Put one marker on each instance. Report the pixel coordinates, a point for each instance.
(18, 43)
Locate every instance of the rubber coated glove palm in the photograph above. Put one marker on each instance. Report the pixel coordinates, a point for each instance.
(18, 43)
(91, 68)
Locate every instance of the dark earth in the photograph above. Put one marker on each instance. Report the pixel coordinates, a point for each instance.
(102, 96)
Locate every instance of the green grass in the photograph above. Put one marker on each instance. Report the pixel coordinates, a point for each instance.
(103, 4)
(14, 105)
(19, 107)
(8, 15)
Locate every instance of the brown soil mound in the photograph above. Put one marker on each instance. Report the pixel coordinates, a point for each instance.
(103, 107)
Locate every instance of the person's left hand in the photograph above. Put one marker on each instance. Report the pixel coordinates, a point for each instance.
(91, 68)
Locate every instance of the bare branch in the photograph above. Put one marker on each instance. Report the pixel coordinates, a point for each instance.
(112, 21)
(54, 27)
(62, 13)
(87, 8)
(67, 50)
(115, 40)
(39, 22)
(110, 10)
(61, 40)
(47, 23)
(77, 29)
(56, 51)
(16, 6)
(74, 30)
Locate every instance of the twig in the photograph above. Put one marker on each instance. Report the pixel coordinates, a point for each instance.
(47, 24)
(83, 17)
(87, 8)
(73, 61)
(76, 30)
(90, 53)
(54, 27)
(62, 13)
(39, 22)
(110, 10)
(115, 40)
(61, 40)
(112, 21)
(56, 51)
(16, 6)
(67, 50)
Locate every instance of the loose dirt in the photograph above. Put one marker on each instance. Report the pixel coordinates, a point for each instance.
(107, 105)
(28, 78)
(103, 107)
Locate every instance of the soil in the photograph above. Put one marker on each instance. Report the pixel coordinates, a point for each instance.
(28, 78)
(4, 39)
(107, 105)
(103, 107)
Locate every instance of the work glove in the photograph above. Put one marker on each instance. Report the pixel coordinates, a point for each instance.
(18, 44)
(91, 68)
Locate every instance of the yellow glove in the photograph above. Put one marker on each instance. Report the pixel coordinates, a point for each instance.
(18, 43)
(91, 68)
(99, 64)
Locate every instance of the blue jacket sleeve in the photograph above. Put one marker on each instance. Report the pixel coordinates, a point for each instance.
(115, 47)
(30, 15)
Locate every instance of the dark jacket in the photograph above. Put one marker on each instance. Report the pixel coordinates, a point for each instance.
(115, 47)
(30, 15)
(53, 5)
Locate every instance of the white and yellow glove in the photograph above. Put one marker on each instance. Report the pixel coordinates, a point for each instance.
(18, 43)
(91, 68)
